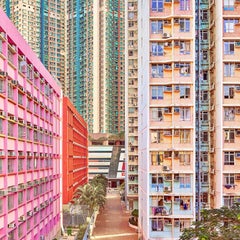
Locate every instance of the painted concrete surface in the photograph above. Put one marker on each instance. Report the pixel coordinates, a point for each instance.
(112, 221)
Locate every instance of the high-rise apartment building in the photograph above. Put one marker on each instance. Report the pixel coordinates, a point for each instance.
(41, 23)
(95, 55)
(30, 113)
(82, 45)
(188, 93)
(131, 100)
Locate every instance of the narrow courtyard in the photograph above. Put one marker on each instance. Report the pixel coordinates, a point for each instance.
(112, 221)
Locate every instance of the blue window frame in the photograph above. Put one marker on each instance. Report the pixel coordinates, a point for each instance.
(157, 5)
(157, 92)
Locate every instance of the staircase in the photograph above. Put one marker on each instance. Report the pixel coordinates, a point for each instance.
(113, 168)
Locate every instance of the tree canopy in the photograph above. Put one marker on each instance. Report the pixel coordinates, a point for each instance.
(92, 194)
(219, 224)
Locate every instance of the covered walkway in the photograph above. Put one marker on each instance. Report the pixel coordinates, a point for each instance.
(112, 221)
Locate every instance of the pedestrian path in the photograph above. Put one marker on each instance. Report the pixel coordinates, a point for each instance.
(112, 221)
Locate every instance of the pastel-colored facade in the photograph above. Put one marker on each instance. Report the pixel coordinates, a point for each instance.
(166, 118)
(30, 149)
(188, 112)
(131, 100)
(95, 50)
(75, 150)
(225, 98)
(41, 23)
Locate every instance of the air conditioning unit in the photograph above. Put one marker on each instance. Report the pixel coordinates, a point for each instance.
(166, 168)
(3, 193)
(166, 35)
(22, 219)
(13, 189)
(212, 150)
(29, 154)
(176, 20)
(11, 225)
(212, 171)
(2, 113)
(176, 43)
(176, 223)
(36, 209)
(237, 154)
(237, 177)
(2, 153)
(176, 65)
(167, 189)
(14, 82)
(30, 213)
(21, 121)
(3, 34)
(176, 110)
(3, 74)
(13, 118)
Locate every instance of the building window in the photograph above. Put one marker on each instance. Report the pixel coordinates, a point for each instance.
(184, 136)
(184, 25)
(229, 5)
(10, 56)
(21, 131)
(204, 116)
(157, 49)
(185, 69)
(156, 158)
(229, 69)
(228, 201)
(228, 92)
(184, 47)
(184, 158)
(229, 179)
(204, 177)
(10, 202)
(229, 48)
(185, 113)
(157, 27)
(184, 5)
(229, 114)
(157, 224)
(157, 136)
(10, 165)
(1, 126)
(184, 91)
(29, 164)
(20, 164)
(157, 70)
(229, 136)
(204, 137)
(185, 181)
(20, 98)
(204, 35)
(229, 158)
(157, 92)
(229, 25)
(2, 90)
(10, 91)
(157, 5)
(20, 197)
(157, 114)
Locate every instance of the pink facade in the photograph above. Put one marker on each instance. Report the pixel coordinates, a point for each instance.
(29, 141)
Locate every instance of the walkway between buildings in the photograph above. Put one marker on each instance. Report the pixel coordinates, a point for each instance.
(112, 221)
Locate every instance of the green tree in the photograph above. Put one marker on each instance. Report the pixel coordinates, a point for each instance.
(219, 224)
(91, 195)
